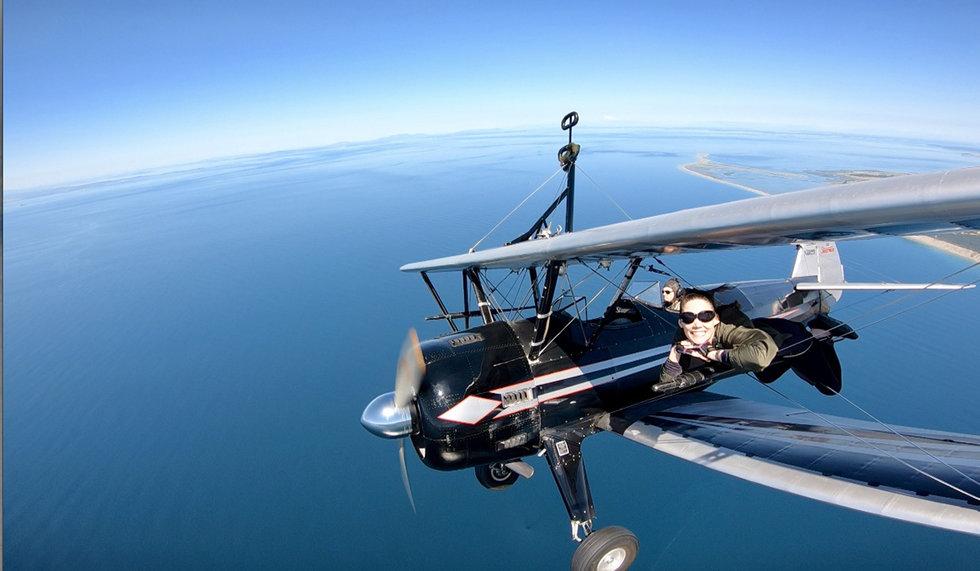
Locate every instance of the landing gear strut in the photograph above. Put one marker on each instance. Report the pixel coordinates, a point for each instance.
(608, 549)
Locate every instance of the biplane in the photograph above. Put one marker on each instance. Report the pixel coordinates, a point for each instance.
(487, 395)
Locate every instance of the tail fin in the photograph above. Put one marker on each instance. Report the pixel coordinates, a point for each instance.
(819, 259)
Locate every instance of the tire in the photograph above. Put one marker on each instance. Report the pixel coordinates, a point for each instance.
(608, 549)
(496, 476)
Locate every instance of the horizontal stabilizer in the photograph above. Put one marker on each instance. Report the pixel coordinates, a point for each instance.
(876, 286)
(854, 464)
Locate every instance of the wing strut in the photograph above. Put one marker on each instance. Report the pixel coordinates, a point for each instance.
(543, 316)
(481, 297)
(442, 307)
(533, 273)
(466, 302)
(610, 313)
(630, 272)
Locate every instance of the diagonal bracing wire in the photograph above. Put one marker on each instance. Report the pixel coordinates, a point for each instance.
(907, 439)
(520, 204)
(604, 193)
(872, 444)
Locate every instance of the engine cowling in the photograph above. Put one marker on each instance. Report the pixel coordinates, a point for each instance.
(451, 434)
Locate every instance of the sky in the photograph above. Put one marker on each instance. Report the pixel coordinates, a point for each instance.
(103, 87)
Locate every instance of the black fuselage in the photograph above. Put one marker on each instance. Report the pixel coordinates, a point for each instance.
(484, 401)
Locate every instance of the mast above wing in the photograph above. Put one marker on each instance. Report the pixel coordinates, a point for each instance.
(899, 206)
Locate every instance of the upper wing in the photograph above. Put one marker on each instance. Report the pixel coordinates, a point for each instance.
(798, 452)
(895, 206)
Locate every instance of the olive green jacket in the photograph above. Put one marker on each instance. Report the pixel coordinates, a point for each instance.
(748, 348)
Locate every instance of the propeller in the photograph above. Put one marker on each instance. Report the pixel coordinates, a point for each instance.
(411, 368)
(408, 377)
(405, 481)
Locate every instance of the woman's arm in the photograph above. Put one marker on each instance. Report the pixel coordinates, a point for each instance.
(746, 347)
(672, 366)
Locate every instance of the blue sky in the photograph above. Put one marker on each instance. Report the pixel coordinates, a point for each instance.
(92, 88)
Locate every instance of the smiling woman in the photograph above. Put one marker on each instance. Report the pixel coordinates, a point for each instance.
(707, 340)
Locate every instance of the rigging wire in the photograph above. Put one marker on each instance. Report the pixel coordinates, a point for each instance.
(864, 440)
(910, 308)
(520, 204)
(527, 298)
(907, 439)
(578, 313)
(516, 309)
(578, 283)
(874, 309)
(587, 304)
(893, 302)
(604, 193)
(571, 321)
(862, 410)
(669, 269)
(640, 304)
(876, 419)
(495, 288)
(863, 267)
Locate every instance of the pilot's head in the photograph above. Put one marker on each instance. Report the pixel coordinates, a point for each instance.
(697, 318)
(670, 291)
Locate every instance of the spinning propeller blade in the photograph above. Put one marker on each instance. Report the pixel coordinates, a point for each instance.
(411, 368)
(408, 377)
(405, 482)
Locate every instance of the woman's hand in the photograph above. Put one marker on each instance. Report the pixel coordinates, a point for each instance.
(689, 348)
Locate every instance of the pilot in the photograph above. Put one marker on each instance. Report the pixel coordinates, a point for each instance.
(671, 294)
(707, 342)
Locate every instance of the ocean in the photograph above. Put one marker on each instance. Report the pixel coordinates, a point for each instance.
(187, 352)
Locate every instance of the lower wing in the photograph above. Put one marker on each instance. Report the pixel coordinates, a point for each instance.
(922, 476)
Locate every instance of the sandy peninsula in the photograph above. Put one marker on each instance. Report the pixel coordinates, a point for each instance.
(963, 244)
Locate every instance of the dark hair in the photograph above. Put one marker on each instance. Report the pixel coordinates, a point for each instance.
(695, 295)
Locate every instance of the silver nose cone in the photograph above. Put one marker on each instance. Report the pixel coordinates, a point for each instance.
(382, 418)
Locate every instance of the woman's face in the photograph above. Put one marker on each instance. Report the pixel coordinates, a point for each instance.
(698, 331)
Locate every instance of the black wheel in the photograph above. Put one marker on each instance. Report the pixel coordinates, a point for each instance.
(496, 476)
(609, 549)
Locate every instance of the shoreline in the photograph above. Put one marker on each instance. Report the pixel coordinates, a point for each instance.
(940, 244)
(689, 169)
(930, 241)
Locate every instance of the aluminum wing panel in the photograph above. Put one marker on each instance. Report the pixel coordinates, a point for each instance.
(852, 464)
(895, 206)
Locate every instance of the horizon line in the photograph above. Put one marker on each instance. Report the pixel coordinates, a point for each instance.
(70, 182)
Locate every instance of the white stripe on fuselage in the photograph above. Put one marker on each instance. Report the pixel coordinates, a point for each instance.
(573, 372)
(585, 385)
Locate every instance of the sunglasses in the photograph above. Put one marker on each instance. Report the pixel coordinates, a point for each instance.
(703, 317)
(668, 291)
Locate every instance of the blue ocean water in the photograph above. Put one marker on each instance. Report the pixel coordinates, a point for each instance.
(187, 353)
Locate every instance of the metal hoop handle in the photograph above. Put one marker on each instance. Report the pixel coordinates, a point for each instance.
(569, 121)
